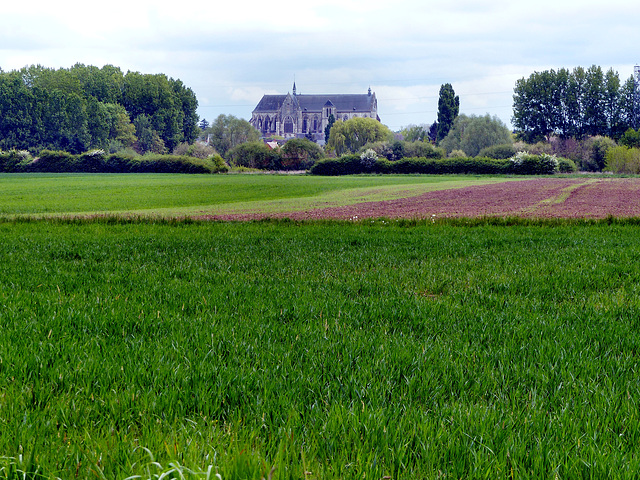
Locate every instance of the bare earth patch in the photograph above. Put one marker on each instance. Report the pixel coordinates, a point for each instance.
(540, 197)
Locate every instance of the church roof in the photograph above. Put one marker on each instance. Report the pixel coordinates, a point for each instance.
(269, 103)
(348, 102)
(314, 103)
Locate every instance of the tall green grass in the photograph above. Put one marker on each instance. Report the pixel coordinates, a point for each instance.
(320, 350)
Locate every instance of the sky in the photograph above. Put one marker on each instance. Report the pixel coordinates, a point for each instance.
(232, 54)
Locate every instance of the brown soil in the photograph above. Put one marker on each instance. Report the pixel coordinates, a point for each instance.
(541, 197)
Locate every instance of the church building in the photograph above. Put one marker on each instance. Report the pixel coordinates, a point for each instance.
(299, 116)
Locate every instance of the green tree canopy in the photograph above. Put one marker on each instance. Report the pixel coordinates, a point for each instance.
(300, 153)
(73, 109)
(148, 139)
(572, 104)
(448, 109)
(415, 133)
(228, 131)
(350, 136)
(473, 133)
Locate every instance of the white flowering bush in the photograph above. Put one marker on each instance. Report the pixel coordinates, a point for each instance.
(519, 158)
(368, 158)
(24, 155)
(14, 160)
(528, 164)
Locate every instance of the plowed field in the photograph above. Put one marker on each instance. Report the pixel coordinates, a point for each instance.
(540, 197)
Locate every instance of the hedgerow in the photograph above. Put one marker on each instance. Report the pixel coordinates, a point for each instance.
(97, 161)
(352, 164)
(523, 165)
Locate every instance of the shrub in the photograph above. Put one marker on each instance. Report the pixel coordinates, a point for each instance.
(623, 160)
(630, 139)
(53, 161)
(527, 164)
(198, 150)
(93, 161)
(368, 159)
(158, 163)
(503, 151)
(345, 165)
(98, 161)
(300, 154)
(121, 162)
(424, 150)
(595, 153)
(382, 149)
(566, 165)
(537, 148)
(255, 155)
(401, 149)
(352, 164)
(562, 147)
(14, 160)
(219, 164)
(397, 150)
(457, 154)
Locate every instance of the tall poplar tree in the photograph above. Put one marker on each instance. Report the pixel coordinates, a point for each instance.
(572, 104)
(448, 109)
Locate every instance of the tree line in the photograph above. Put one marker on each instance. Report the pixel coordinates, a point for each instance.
(573, 104)
(86, 107)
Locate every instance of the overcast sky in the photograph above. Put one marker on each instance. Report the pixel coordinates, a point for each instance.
(232, 54)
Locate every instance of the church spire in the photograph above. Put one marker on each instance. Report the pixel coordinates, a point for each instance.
(294, 87)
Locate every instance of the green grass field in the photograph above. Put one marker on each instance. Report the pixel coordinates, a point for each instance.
(142, 348)
(319, 350)
(179, 195)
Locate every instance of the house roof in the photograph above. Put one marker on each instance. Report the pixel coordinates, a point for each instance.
(314, 103)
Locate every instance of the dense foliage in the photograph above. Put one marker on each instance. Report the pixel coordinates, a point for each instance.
(522, 165)
(399, 149)
(227, 132)
(300, 154)
(504, 150)
(351, 135)
(420, 133)
(255, 155)
(575, 103)
(470, 134)
(322, 351)
(623, 160)
(295, 154)
(85, 107)
(97, 161)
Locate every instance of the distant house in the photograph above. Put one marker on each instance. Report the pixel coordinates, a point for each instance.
(294, 115)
